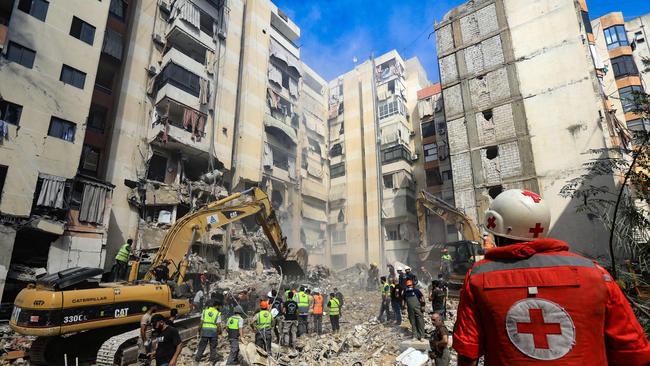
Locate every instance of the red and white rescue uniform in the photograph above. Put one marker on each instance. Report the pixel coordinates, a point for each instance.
(536, 303)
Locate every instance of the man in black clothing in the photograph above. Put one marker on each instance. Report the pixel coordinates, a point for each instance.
(169, 344)
(161, 272)
(437, 296)
(396, 299)
(290, 324)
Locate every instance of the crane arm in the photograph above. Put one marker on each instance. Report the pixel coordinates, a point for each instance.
(448, 213)
(179, 239)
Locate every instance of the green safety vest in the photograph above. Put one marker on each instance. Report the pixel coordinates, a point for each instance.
(334, 306)
(233, 322)
(209, 318)
(303, 300)
(385, 289)
(446, 257)
(264, 319)
(123, 254)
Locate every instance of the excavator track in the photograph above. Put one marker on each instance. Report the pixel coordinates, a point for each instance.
(122, 349)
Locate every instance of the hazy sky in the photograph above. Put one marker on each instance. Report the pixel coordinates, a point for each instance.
(333, 32)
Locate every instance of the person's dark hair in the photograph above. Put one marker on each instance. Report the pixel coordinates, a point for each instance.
(332, 294)
(302, 288)
(274, 293)
(308, 291)
(335, 289)
(130, 241)
(173, 312)
(435, 283)
(383, 278)
(157, 318)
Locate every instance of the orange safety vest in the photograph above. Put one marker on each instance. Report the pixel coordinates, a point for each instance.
(318, 305)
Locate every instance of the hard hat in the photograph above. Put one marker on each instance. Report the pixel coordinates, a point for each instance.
(518, 214)
(205, 271)
(407, 268)
(374, 264)
(270, 294)
(316, 290)
(274, 312)
(409, 283)
(264, 304)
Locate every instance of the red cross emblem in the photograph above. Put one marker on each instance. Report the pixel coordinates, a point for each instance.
(536, 198)
(538, 328)
(491, 222)
(538, 229)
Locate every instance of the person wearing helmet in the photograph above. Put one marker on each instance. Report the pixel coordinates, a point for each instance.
(262, 324)
(445, 263)
(317, 311)
(410, 275)
(531, 301)
(414, 305)
(235, 327)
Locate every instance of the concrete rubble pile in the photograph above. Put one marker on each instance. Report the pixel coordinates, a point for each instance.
(13, 346)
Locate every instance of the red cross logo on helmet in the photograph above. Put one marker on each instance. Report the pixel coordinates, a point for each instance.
(535, 197)
(491, 222)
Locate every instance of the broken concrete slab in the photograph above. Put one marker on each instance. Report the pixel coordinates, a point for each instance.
(48, 226)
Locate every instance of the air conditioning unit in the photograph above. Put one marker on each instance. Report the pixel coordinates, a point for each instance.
(152, 70)
(164, 5)
(159, 39)
(221, 34)
(414, 157)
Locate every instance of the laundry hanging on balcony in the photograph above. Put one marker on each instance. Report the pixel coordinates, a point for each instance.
(196, 121)
(267, 161)
(93, 202)
(187, 11)
(425, 107)
(52, 191)
(210, 62)
(204, 91)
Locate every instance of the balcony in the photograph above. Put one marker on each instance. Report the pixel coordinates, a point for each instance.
(396, 153)
(400, 205)
(181, 31)
(285, 26)
(191, 64)
(185, 125)
(179, 84)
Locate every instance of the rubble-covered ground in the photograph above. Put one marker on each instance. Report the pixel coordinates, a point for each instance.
(362, 340)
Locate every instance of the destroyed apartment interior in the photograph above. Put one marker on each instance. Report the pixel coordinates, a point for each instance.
(324, 183)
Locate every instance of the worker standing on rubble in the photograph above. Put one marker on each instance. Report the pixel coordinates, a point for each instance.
(303, 312)
(334, 310)
(414, 304)
(445, 263)
(168, 342)
(317, 311)
(261, 325)
(396, 300)
(438, 297)
(373, 277)
(531, 301)
(210, 328)
(290, 323)
(384, 307)
(235, 326)
(146, 328)
(122, 260)
(439, 341)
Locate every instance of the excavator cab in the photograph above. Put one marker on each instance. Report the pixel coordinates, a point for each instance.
(464, 254)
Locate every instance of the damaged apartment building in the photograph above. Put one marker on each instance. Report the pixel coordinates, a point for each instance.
(54, 201)
(523, 107)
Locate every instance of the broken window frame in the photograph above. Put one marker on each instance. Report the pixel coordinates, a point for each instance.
(82, 30)
(62, 129)
(336, 150)
(152, 174)
(14, 110)
(20, 54)
(97, 116)
(433, 177)
(280, 158)
(428, 129)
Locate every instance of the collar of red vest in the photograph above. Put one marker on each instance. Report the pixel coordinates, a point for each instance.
(527, 249)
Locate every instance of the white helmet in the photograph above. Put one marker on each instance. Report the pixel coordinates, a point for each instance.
(518, 214)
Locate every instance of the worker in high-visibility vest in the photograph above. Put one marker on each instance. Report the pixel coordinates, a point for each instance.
(384, 289)
(122, 260)
(445, 264)
(262, 324)
(235, 327)
(334, 310)
(210, 328)
(303, 311)
(317, 311)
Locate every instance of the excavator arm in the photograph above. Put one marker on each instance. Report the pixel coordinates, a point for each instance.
(448, 213)
(177, 244)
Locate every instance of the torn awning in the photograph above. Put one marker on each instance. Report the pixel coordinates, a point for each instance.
(276, 50)
(271, 121)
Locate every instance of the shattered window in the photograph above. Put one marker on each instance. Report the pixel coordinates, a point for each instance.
(89, 162)
(336, 150)
(157, 168)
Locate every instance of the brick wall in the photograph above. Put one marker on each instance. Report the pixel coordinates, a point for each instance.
(448, 69)
(486, 90)
(453, 101)
(509, 160)
(444, 39)
(457, 135)
(464, 200)
(498, 128)
(484, 55)
(478, 24)
(461, 167)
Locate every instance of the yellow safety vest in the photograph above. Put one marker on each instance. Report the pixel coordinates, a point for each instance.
(209, 318)
(233, 322)
(303, 300)
(446, 257)
(264, 319)
(123, 254)
(334, 306)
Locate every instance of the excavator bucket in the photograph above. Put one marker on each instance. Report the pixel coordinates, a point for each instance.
(294, 265)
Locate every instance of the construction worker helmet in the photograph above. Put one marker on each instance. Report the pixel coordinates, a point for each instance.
(264, 304)
(518, 214)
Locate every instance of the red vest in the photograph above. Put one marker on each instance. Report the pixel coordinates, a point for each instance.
(535, 303)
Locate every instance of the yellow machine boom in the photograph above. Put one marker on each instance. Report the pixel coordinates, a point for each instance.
(448, 213)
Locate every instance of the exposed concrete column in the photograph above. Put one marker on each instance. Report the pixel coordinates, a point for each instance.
(7, 237)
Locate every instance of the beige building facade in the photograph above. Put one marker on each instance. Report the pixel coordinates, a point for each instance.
(52, 217)
(523, 107)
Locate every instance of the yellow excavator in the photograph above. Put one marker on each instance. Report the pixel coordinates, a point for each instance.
(463, 252)
(71, 302)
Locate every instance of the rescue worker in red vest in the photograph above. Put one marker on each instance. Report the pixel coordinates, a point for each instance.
(531, 301)
(317, 311)
(210, 328)
(262, 325)
(302, 298)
